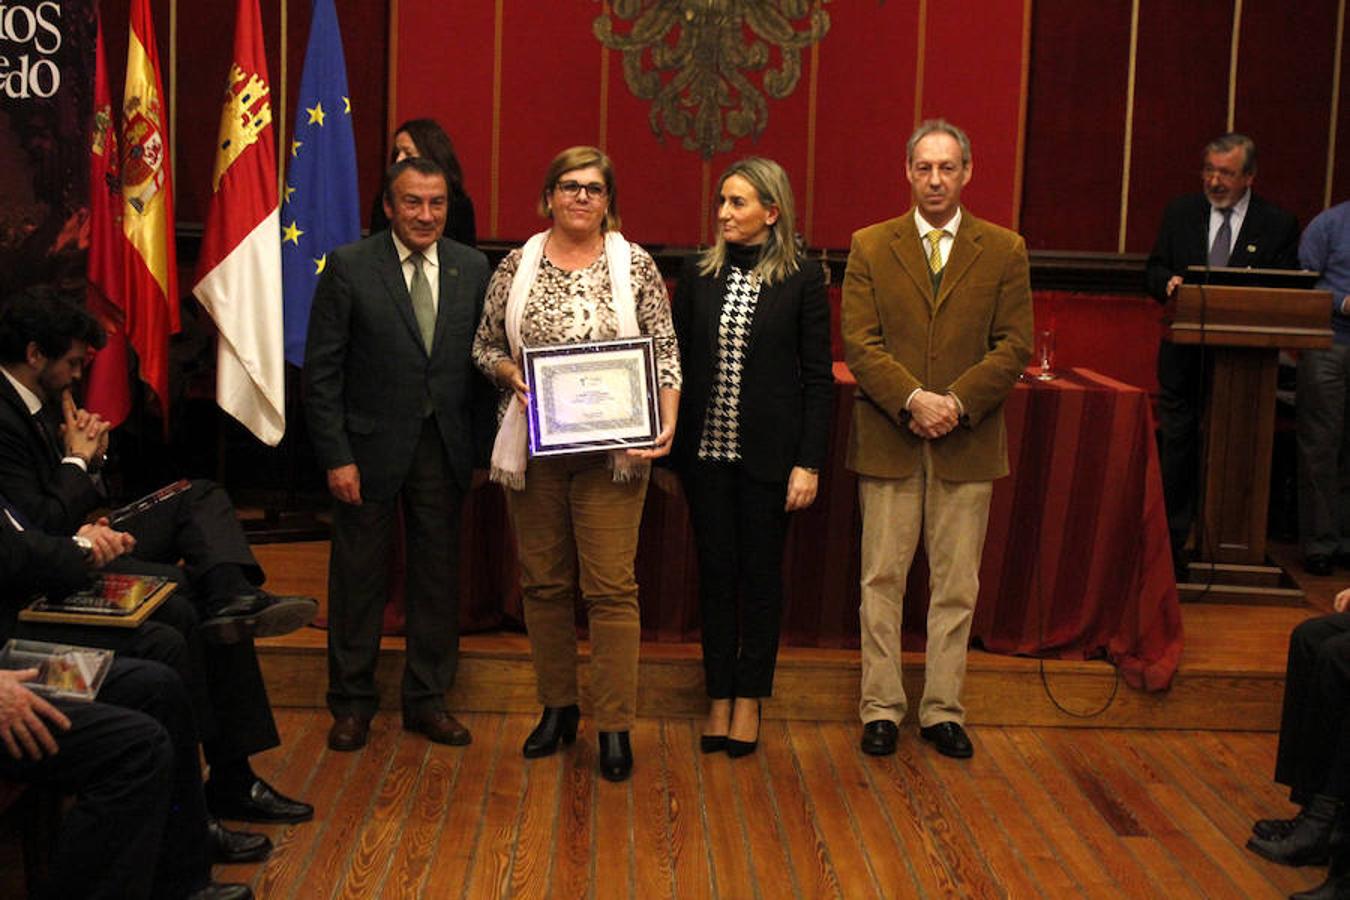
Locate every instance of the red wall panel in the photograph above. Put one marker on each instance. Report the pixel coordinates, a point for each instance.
(1284, 88)
(974, 78)
(1180, 104)
(1075, 130)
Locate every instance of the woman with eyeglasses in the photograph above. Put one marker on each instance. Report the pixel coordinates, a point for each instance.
(576, 517)
(754, 331)
(425, 138)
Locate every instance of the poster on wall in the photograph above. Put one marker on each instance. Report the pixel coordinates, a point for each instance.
(46, 85)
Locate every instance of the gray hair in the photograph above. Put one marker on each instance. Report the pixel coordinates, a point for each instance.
(938, 126)
(1225, 143)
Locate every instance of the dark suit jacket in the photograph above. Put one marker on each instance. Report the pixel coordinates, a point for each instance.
(55, 497)
(973, 338)
(786, 381)
(368, 375)
(1268, 240)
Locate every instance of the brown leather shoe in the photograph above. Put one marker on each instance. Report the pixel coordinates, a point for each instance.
(439, 726)
(349, 732)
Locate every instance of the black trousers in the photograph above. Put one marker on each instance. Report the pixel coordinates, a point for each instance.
(739, 529)
(1181, 379)
(357, 586)
(1314, 751)
(138, 826)
(199, 527)
(230, 708)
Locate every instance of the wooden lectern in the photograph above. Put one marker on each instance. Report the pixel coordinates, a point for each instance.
(1243, 330)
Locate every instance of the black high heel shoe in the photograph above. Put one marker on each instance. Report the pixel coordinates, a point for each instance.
(712, 743)
(558, 723)
(735, 748)
(616, 755)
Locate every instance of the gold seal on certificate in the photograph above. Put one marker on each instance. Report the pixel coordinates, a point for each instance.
(593, 396)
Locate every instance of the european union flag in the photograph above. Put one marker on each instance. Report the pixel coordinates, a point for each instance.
(319, 209)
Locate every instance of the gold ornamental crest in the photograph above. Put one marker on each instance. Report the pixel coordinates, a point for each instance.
(694, 60)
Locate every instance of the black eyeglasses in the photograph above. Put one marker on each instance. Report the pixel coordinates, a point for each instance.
(595, 190)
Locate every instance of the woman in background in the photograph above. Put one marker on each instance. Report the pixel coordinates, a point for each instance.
(576, 517)
(754, 331)
(423, 137)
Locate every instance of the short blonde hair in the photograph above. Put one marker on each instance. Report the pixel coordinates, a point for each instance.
(582, 158)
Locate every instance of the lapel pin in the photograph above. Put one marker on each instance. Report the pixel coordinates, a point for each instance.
(1251, 248)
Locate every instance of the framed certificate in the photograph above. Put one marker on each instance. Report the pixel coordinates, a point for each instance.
(593, 396)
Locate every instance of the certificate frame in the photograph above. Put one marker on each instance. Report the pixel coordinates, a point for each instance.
(597, 395)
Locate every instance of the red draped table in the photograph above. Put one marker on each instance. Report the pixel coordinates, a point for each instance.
(1076, 561)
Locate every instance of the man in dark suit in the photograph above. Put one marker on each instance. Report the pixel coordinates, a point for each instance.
(389, 395)
(50, 452)
(1225, 225)
(937, 322)
(139, 823)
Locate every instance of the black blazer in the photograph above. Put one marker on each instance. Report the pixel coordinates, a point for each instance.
(368, 375)
(787, 384)
(1268, 240)
(54, 497)
(31, 561)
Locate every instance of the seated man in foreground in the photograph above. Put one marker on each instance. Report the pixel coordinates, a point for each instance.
(50, 452)
(1313, 759)
(138, 827)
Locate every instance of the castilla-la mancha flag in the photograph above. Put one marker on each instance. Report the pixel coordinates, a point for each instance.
(147, 209)
(239, 275)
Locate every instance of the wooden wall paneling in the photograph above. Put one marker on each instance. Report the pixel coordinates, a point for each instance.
(1283, 97)
(1075, 125)
(973, 77)
(1180, 104)
(444, 70)
(866, 101)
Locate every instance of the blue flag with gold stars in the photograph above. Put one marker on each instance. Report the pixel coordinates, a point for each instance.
(320, 209)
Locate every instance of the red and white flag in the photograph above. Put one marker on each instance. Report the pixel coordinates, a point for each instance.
(147, 209)
(239, 274)
(108, 385)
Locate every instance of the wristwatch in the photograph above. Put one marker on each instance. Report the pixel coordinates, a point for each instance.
(86, 546)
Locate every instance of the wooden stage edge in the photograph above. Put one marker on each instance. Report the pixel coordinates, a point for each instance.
(1231, 675)
(1210, 692)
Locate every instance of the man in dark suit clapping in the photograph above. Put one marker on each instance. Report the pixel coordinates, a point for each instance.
(1225, 225)
(390, 393)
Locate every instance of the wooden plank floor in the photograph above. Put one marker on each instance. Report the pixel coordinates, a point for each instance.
(1038, 812)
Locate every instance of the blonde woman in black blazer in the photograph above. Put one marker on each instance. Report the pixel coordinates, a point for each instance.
(754, 331)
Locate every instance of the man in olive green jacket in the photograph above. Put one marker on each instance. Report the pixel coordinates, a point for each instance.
(937, 325)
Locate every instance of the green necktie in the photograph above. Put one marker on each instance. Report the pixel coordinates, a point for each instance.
(423, 307)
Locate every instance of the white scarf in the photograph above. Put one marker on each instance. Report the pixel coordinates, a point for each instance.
(509, 456)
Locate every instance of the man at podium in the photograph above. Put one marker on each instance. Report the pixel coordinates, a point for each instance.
(1224, 225)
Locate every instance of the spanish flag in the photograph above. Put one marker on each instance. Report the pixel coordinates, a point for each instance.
(147, 209)
(239, 274)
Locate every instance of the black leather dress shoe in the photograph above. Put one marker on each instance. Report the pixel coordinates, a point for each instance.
(259, 614)
(557, 724)
(236, 846)
(879, 737)
(349, 732)
(616, 755)
(215, 891)
(1275, 829)
(949, 738)
(259, 802)
(1318, 564)
(439, 727)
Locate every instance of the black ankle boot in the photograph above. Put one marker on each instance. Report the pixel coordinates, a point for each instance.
(1308, 843)
(616, 755)
(558, 723)
(1337, 885)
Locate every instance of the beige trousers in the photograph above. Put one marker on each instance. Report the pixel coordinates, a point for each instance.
(576, 527)
(952, 516)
